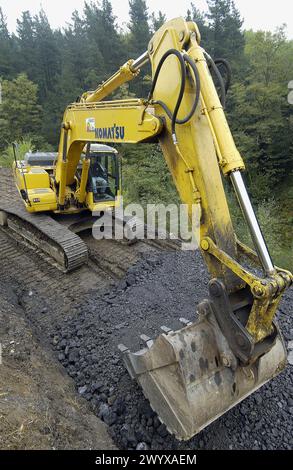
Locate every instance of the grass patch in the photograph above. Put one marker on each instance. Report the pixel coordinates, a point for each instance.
(7, 156)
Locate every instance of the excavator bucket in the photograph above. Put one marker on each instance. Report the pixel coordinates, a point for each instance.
(191, 377)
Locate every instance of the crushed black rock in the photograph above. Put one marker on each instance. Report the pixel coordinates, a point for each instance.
(158, 291)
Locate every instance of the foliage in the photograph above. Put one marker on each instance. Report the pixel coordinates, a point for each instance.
(22, 147)
(146, 178)
(20, 113)
(226, 38)
(260, 109)
(138, 26)
(276, 227)
(6, 48)
(157, 21)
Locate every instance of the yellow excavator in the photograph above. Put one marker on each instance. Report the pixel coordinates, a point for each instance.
(96, 184)
(193, 375)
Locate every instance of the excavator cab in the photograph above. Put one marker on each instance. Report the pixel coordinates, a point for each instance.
(104, 174)
(99, 178)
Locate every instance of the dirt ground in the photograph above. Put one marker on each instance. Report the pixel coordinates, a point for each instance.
(39, 407)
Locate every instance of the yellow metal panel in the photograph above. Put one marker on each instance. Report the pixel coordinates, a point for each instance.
(83, 181)
(230, 158)
(42, 200)
(129, 122)
(199, 160)
(34, 178)
(101, 205)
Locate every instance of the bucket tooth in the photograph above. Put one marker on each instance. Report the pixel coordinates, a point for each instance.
(187, 384)
(166, 330)
(146, 339)
(122, 348)
(185, 321)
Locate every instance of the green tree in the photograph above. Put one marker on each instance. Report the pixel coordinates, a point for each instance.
(157, 20)
(104, 44)
(47, 53)
(112, 40)
(6, 52)
(139, 27)
(39, 54)
(78, 60)
(137, 42)
(20, 113)
(146, 178)
(260, 113)
(226, 38)
(28, 56)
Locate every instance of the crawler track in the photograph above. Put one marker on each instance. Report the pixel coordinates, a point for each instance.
(66, 249)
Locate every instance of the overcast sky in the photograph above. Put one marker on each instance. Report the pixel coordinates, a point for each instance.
(258, 14)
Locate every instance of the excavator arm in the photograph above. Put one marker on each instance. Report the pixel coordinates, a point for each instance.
(194, 375)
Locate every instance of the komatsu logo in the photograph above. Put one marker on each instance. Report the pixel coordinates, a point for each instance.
(113, 133)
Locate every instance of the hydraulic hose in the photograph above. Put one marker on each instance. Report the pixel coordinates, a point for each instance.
(197, 90)
(224, 85)
(216, 71)
(227, 66)
(183, 59)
